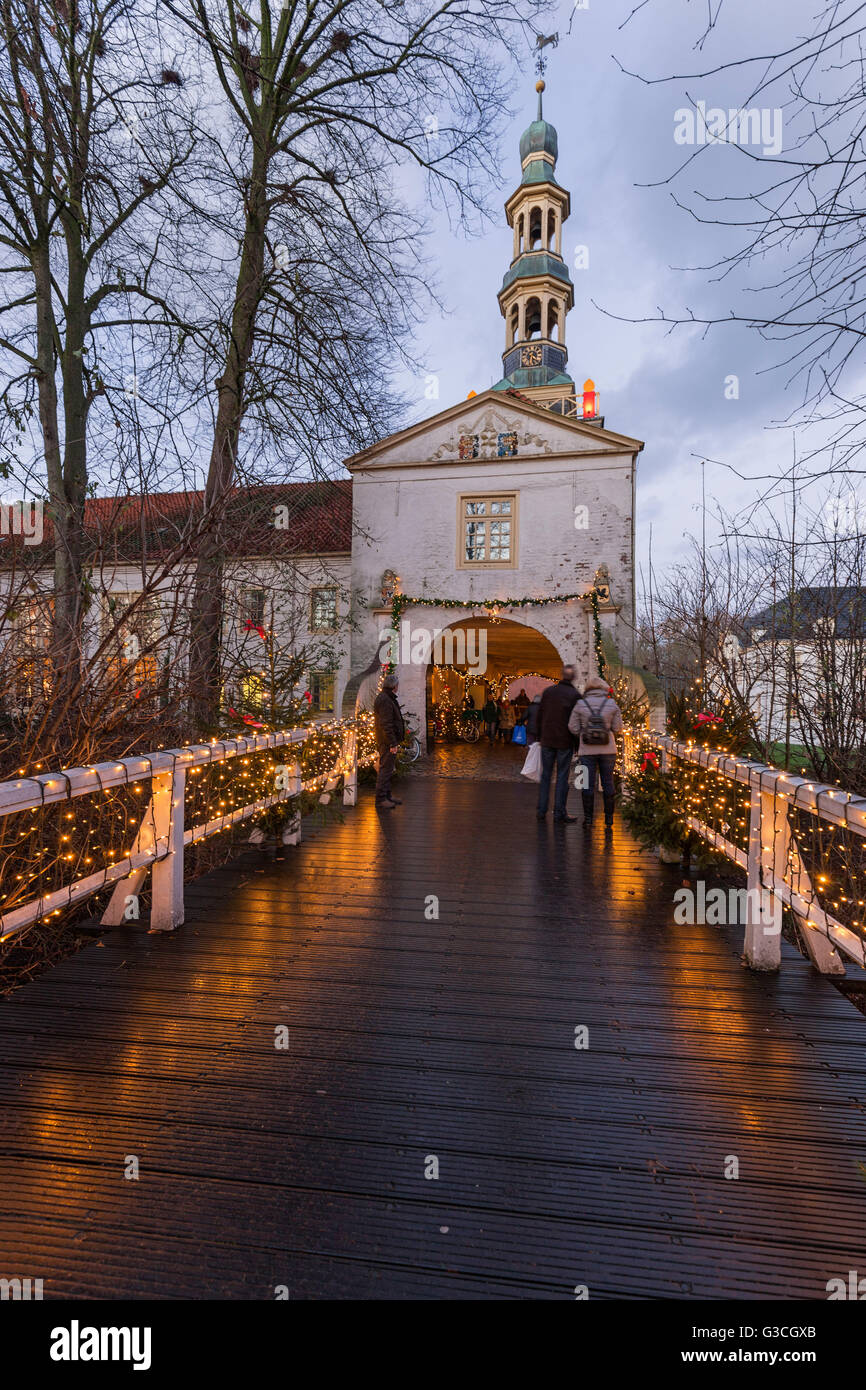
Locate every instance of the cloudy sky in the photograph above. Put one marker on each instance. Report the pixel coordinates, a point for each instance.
(617, 155)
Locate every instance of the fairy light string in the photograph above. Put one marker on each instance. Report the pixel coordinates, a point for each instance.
(494, 608)
(71, 838)
(825, 862)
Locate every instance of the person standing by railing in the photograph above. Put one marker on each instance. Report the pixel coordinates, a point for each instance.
(595, 719)
(390, 731)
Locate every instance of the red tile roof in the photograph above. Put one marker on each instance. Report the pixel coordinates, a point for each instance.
(317, 516)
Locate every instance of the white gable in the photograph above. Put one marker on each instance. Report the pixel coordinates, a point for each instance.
(481, 429)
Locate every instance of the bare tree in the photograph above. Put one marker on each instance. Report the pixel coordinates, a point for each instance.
(89, 143)
(797, 263)
(327, 103)
(778, 606)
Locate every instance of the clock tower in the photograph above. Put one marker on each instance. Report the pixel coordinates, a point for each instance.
(537, 292)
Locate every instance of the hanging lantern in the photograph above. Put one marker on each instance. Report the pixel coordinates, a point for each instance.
(590, 399)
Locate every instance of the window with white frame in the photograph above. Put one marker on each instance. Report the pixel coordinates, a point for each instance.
(323, 609)
(488, 529)
(322, 691)
(253, 606)
(132, 623)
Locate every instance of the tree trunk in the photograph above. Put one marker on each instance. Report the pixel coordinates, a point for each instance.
(69, 596)
(65, 646)
(207, 603)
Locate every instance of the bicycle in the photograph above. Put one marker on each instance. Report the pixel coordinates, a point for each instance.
(410, 748)
(468, 728)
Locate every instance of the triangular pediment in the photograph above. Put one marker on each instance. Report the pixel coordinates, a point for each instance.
(486, 427)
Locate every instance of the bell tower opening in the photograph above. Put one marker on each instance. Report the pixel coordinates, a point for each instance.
(534, 228)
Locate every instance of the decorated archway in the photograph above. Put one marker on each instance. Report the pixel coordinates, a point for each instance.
(479, 657)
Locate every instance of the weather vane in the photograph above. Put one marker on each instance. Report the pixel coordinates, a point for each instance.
(541, 42)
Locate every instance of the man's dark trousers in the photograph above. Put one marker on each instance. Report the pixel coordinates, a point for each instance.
(562, 758)
(387, 764)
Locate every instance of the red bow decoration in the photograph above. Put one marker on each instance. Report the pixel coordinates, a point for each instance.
(250, 626)
(649, 760)
(247, 718)
(705, 718)
(307, 696)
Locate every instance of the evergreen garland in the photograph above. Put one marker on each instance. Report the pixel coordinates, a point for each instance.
(494, 605)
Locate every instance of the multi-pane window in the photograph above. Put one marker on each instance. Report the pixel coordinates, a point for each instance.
(132, 623)
(323, 614)
(488, 529)
(251, 689)
(322, 691)
(32, 619)
(253, 606)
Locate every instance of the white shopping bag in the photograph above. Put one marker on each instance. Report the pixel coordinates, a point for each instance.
(532, 766)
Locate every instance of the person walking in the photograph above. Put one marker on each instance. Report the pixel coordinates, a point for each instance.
(532, 720)
(595, 719)
(490, 715)
(507, 720)
(557, 745)
(390, 729)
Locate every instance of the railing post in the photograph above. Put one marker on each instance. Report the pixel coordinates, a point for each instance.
(763, 944)
(814, 928)
(166, 911)
(292, 832)
(350, 764)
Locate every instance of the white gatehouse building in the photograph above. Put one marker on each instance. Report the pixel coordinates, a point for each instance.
(519, 492)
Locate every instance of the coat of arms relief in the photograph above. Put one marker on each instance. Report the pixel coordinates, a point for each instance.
(494, 437)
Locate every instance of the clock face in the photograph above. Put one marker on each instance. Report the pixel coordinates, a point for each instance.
(531, 356)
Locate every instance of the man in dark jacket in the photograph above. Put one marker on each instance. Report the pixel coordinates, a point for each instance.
(390, 729)
(557, 744)
(490, 715)
(532, 720)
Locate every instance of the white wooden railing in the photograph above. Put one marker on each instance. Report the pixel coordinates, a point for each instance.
(162, 835)
(776, 873)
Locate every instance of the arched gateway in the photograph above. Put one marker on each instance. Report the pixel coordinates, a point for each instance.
(475, 656)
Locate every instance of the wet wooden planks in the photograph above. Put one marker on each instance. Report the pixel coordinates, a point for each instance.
(416, 1037)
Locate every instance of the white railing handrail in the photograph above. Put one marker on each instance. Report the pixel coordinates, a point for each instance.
(29, 793)
(162, 834)
(805, 794)
(775, 872)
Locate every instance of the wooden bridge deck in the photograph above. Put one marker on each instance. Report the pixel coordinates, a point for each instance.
(452, 1038)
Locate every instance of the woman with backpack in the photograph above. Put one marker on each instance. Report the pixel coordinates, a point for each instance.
(595, 719)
